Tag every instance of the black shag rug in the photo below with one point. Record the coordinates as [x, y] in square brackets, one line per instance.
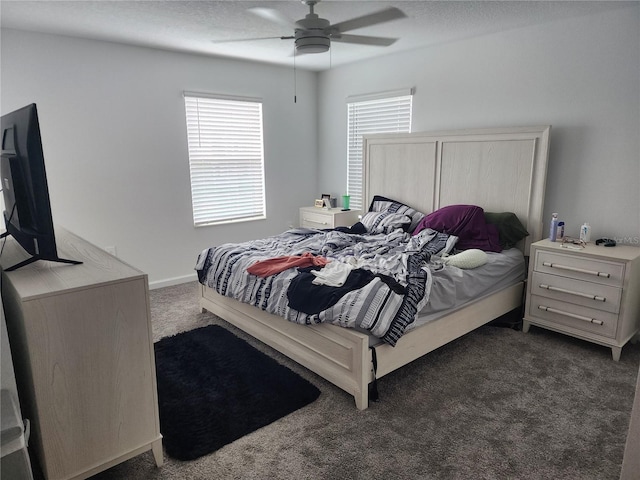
[214, 388]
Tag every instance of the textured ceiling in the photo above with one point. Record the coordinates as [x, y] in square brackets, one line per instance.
[214, 27]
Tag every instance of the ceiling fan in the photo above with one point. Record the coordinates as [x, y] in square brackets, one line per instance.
[314, 34]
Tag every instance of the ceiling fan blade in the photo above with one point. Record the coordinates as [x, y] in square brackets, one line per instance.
[364, 40]
[385, 15]
[236, 40]
[273, 16]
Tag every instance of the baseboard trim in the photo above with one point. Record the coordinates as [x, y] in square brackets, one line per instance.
[173, 281]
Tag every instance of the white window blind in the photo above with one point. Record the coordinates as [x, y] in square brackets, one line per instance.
[226, 158]
[372, 114]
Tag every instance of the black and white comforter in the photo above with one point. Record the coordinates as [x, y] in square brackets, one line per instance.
[399, 286]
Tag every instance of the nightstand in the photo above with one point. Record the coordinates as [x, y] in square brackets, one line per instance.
[314, 217]
[590, 293]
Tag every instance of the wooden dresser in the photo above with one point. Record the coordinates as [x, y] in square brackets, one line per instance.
[84, 360]
[591, 293]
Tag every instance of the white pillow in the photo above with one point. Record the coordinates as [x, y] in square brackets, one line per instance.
[384, 222]
[466, 259]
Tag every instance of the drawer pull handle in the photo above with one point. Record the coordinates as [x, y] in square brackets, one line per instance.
[315, 221]
[572, 315]
[575, 269]
[571, 292]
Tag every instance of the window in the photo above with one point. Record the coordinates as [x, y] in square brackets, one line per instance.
[226, 158]
[381, 113]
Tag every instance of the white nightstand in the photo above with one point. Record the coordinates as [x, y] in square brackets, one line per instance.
[590, 293]
[314, 217]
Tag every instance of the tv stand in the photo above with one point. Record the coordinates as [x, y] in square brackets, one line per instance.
[35, 258]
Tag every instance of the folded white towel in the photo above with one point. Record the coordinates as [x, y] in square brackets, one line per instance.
[334, 274]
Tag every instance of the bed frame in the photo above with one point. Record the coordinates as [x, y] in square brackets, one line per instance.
[499, 169]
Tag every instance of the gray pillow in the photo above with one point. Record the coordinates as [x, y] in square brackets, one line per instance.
[381, 204]
[384, 222]
[510, 229]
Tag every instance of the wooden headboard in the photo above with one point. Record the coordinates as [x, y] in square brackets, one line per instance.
[498, 169]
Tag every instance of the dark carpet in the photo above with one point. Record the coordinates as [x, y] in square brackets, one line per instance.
[496, 404]
[214, 388]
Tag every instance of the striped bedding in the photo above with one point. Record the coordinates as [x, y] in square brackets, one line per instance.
[377, 307]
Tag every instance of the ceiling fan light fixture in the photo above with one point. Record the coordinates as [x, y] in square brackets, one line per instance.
[313, 34]
[312, 44]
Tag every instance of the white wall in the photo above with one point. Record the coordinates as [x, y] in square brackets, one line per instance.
[114, 139]
[581, 75]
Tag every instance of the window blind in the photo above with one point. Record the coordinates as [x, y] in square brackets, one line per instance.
[376, 115]
[226, 158]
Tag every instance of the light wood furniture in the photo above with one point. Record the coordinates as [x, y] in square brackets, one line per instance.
[84, 360]
[498, 169]
[589, 293]
[314, 217]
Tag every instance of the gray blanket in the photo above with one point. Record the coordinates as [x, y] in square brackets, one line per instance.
[376, 307]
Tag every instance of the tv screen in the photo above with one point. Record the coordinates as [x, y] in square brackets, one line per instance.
[27, 209]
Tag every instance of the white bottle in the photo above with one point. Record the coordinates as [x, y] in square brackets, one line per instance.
[553, 230]
[585, 232]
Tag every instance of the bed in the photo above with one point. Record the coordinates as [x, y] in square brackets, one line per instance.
[499, 169]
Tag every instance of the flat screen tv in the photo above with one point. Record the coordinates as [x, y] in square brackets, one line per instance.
[27, 209]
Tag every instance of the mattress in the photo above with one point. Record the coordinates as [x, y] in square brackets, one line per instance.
[454, 288]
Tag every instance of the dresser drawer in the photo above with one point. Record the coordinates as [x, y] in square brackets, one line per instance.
[574, 316]
[589, 294]
[579, 267]
[315, 220]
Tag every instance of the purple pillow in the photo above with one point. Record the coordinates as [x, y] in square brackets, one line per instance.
[465, 222]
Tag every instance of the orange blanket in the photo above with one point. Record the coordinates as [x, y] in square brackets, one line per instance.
[264, 268]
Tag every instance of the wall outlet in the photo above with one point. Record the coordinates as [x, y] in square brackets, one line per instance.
[111, 250]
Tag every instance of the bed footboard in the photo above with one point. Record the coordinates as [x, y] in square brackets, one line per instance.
[341, 355]
[337, 354]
